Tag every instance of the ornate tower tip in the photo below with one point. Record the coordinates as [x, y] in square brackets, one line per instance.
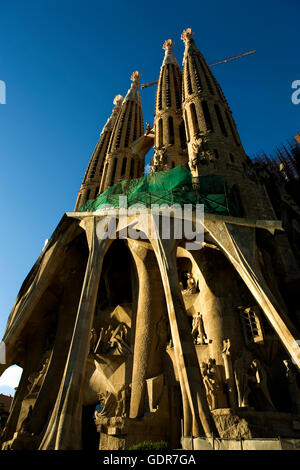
[168, 44]
[187, 35]
[135, 77]
[118, 100]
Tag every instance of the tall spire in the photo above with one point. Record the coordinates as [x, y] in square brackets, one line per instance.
[121, 163]
[170, 141]
[91, 182]
[211, 131]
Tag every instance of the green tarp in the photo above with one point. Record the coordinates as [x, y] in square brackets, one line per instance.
[169, 187]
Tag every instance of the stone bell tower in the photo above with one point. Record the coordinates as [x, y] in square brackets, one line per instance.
[144, 335]
[121, 162]
[170, 141]
[91, 182]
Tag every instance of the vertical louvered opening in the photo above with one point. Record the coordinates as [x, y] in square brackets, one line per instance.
[189, 81]
[186, 126]
[197, 75]
[128, 128]
[232, 129]
[171, 130]
[177, 83]
[182, 135]
[123, 170]
[168, 89]
[160, 132]
[207, 117]
[194, 118]
[131, 174]
[220, 120]
[113, 174]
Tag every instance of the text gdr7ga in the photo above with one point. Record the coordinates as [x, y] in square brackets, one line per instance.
[173, 459]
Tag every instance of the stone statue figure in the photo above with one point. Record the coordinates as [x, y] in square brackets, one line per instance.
[35, 380]
[93, 340]
[108, 402]
[118, 340]
[242, 378]
[198, 332]
[190, 284]
[260, 380]
[162, 332]
[123, 401]
[293, 385]
[210, 382]
[148, 128]
[113, 341]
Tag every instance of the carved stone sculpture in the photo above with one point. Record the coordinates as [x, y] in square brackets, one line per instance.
[211, 383]
[35, 380]
[191, 285]
[293, 385]
[148, 128]
[242, 378]
[198, 331]
[260, 380]
[109, 403]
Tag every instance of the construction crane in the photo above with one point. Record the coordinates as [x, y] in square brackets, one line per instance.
[223, 61]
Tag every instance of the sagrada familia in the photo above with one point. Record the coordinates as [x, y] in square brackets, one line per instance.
[125, 339]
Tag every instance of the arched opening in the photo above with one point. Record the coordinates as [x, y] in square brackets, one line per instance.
[131, 174]
[237, 200]
[171, 130]
[113, 174]
[160, 132]
[186, 126]
[194, 118]
[182, 135]
[220, 120]
[124, 163]
[207, 117]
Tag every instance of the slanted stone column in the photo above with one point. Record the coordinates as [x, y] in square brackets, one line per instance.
[187, 364]
[239, 245]
[64, 428]
[150, 306]
[74, 273]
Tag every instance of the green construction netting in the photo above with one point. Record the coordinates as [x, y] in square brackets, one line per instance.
[169, 187]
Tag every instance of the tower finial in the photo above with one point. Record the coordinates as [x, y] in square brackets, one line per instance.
[118, 100]
[169, 54]
[187, 35]
[168, 44]
[135, 77]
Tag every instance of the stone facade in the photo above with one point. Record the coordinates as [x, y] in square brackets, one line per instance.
[124, 340]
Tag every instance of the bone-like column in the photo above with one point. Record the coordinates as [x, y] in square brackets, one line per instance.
[150, 306]
[66, 320]
[50, 261]
[185, 354]
[64, 428]
[238, 244]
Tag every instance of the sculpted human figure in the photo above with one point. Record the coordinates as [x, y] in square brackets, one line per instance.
[293, 385]
[198, 332]
[210, 383]
[148, 128]
[191, 284]
[242, 378]
[109, 403]
[118, 340]
[260, 376]
[93, 340]
[36, 380]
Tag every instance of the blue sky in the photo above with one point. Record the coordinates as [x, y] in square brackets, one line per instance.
[64, 61]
